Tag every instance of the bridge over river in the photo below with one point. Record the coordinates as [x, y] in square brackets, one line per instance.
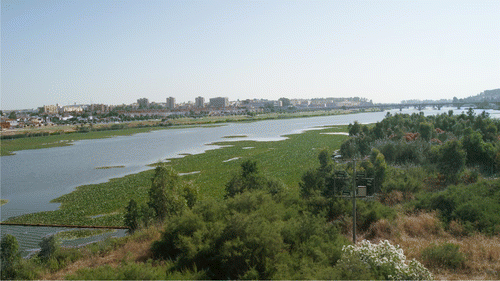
[423, 105]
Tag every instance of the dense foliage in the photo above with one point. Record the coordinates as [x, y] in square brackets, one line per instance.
[257, 232]
[442, 161]
[417, 139]
[475, 207]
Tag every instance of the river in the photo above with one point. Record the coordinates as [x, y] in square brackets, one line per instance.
[31, 178]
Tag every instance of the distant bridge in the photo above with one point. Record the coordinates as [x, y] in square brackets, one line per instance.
[421, 106]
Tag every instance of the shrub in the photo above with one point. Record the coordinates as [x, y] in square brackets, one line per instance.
[444, 255]
[379, 261]
[9, 252]
[49, 246]
[132, 216]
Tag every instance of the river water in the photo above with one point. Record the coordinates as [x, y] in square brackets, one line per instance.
[31, 178]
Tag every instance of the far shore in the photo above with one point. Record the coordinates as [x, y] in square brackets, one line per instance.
[55, 136]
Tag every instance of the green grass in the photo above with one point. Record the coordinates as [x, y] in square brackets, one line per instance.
[3, 202]
[285, 160]
[8, 146]
[109, 167]
[81, 233]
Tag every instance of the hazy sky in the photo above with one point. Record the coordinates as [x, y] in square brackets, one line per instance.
[115, 52]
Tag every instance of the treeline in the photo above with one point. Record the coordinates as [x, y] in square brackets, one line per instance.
[448, 142]
[445, 163]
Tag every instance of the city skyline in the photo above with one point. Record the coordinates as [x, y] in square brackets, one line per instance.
[115, 52]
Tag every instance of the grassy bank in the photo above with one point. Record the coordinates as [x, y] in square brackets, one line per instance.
[8, 147]
[3, 201]
[104, 204]
[46, 137]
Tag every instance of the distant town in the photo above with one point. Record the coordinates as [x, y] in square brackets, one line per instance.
[143, 109]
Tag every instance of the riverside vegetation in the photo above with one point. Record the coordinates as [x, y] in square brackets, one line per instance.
[272, 217]
[37, 138]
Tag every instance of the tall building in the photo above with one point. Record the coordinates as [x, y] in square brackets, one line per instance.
[170, 102]
[219, 102]
[199, 102]
[143, 103]
[50, 109]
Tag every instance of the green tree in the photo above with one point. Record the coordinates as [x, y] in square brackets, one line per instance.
[451, 159]
[354, 129]
[12, 115]
[165, 198]
[311, 184]
[191, 193]
[49, 246]
[380, 167]
[285, 102]
[9, 253]
[132, 216]
[147, 215]
[426, 130]
[472, 143]
[248, 179]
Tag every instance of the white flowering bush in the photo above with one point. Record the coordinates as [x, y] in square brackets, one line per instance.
[379, 261]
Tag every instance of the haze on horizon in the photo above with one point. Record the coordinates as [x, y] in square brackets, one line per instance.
[115, 52]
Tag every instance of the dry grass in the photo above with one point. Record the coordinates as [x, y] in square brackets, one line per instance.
[416, 232]
[136, 248]
[413, 233]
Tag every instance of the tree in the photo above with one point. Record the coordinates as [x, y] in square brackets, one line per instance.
[451, 159]
[49, 246]
[13, 115]
[165, 198]
[191, 194]
[354, 129]
[284, 102]
[380, 167]
[147, 215]
[472, 143]
[132, 216]
[9, 253]
[426, 129]
[311, 184]
[248, 179]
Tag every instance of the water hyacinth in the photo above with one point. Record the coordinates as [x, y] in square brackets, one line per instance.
[384, 260]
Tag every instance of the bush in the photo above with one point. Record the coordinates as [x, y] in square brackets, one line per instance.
[379, 261]
[444, 255]
[250, 235]
[9, 253]
[49, 246]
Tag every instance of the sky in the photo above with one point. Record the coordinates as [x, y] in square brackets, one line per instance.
[115, 52]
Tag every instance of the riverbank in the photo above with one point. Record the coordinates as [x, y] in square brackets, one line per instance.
[104, 203]
[46, 137]
[3, 202]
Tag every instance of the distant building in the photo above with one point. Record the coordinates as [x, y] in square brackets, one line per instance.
[143, 103]
[171, 103]
[99, 108]
[50, 109]
[219, 102]
[199, 102]
[72, 108]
